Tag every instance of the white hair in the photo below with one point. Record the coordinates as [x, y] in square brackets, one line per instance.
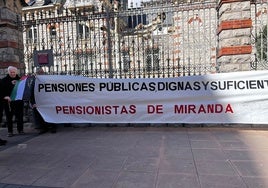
[12, 68]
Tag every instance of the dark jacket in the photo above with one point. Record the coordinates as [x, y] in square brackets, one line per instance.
[7, 85]
[1, 90]
[32, 97]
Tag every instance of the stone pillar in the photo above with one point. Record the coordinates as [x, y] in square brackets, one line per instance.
[11, 38]
[234, 30]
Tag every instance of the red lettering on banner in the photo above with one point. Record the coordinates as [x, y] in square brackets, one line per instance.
[203, 109]
[58, 109]
[124, 110]
[191, 108]
[65, 109]
[155, 109]
[96, 110]
[229, 109]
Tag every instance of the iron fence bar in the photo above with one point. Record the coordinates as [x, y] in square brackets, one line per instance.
[157, 54]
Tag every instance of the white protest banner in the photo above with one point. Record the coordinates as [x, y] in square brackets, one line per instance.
[239, 97]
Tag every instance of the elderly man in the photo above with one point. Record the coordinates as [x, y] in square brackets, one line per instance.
[12, 107]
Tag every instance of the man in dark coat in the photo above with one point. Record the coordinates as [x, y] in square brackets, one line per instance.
[1, 101]
[2, 142]
[38, 119]
[12, 107]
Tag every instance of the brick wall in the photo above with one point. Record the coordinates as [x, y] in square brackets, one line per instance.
[234, 30]
[11, 43]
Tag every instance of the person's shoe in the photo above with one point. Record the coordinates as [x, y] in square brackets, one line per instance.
[10, 134]
[53, 129]
[21, 132]
[2, 142]
[42, 131]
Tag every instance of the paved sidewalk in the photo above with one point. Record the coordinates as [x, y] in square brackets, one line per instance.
[136, 157]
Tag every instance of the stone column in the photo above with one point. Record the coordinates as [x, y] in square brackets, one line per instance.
[11, 38]
[234, 30]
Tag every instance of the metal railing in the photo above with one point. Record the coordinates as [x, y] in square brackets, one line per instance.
[158, 39]
[259, 16]
[155, 40]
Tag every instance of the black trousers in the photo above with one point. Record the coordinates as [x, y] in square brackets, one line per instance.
[1, 110]
[14, 108]
[41, 124]
[38, 120]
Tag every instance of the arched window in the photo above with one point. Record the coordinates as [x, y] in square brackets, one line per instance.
[261, 45]
[152, 59]
[31, 35]
[83, 31]
[53, 31]
[126, 60]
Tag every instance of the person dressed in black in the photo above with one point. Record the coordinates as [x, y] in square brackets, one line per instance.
[12, 107]
[1, 101]
[38, 119]
[2, 142]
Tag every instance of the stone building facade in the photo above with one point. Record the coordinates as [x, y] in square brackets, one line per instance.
[11, 40]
